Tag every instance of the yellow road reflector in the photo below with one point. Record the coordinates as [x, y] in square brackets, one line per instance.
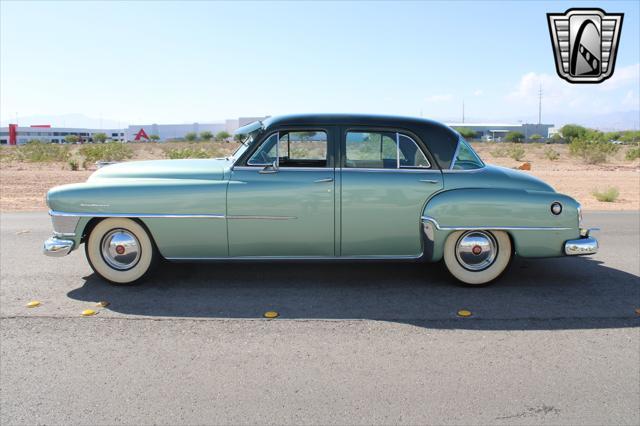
[464, 313]
[33, 304]
[271, 314]
[103, 303]
[88, 312]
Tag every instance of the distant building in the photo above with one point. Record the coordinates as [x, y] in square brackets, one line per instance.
[143, 132]
[497, 131]
[14, 134]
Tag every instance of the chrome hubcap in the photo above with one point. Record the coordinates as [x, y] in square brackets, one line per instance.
[476, 250]
[120, 249]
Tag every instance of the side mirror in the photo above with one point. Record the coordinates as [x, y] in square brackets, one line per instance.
[272, 168]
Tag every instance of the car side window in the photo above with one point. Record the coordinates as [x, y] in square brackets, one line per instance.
[383, 150]
[293, 149]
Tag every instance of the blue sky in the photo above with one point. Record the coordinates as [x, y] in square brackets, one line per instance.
[174, 62]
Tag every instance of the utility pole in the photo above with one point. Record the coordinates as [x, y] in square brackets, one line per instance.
[462, 110]
[540, 105]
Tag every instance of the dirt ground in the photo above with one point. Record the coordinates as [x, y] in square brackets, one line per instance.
[23, 185]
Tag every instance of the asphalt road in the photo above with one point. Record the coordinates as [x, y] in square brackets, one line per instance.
[556, 341]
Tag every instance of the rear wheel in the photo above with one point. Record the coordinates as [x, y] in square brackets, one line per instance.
[477, 257]
[120, 250]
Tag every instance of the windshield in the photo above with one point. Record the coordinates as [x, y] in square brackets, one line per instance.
[466, 158]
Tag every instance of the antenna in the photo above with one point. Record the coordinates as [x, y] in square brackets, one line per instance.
[540, 104]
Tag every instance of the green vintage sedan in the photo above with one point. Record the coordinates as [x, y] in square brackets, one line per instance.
[335, 187]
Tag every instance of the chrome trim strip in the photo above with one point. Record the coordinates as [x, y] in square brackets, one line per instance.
[241, 216]
[232, 258]
[141, 215]
[495, 228]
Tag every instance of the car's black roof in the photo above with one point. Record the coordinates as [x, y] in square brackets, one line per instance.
[440, 139]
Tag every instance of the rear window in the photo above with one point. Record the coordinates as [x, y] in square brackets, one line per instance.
[466, 158]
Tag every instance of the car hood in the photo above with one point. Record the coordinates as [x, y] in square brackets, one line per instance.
[205, 169]
[492, 176]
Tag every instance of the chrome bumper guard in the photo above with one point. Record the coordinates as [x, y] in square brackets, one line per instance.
[582, 246]
[57, 247]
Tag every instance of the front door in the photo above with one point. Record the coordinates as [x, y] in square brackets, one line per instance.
[280, 203]
[386, 179]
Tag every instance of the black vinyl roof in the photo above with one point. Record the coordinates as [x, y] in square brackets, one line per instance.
[440, 139]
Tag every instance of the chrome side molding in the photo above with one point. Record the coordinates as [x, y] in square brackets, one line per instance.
[495, 228]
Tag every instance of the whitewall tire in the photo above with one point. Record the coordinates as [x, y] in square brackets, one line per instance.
[120, 250]
[477, 257]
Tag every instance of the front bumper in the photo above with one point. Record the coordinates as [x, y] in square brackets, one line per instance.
[584, 245]
[57, 247]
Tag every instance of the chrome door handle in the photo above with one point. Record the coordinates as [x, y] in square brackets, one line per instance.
[429, 181]
[323, 180]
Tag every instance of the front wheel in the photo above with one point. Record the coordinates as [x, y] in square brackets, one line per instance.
[477, 257]
[120, 250]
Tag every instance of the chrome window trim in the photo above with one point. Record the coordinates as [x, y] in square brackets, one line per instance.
[403, 170]
[429, 167]
[305, 169]
[398, 166]
[495, 228]
[455, 155]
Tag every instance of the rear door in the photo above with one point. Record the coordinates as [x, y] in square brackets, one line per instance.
[386, 179]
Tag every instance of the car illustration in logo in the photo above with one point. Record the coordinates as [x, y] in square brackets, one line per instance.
[585, 43]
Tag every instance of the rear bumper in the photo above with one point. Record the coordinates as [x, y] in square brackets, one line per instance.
[584, 245]
[57, 247]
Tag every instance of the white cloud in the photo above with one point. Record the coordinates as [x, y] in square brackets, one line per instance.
[618, 93]
[439, 98]
[478, 92]
[623, 77]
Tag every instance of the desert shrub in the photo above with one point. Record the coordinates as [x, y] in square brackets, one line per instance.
[551, 154]
[633, 153]
[206, 135]
[609, 195]
[187, 152]
[500, 151]
[514, 137]
[630, 136]
[99, 137]
[110, 151]
[572, 131]
[592, 148]
[535, 137]
[222, 135]
[516, 152]
[154, 138]
[73, 165]
[71, 138]
[191, 136]
[40, 152]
